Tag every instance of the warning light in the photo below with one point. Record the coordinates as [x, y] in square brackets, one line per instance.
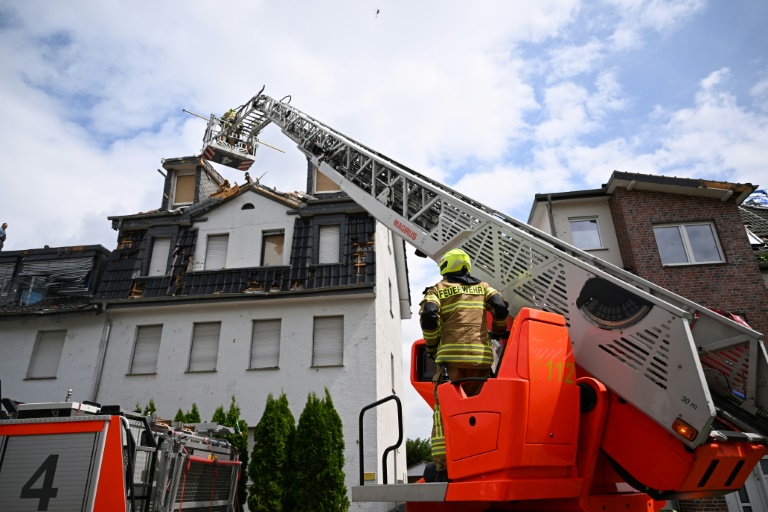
[684, 430]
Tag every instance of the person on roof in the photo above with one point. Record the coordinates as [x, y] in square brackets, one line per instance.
[2, 234]
[452, 317]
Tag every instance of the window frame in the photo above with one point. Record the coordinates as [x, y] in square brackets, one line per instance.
[315, 364]
[36, 350]
[314, 183]
[587, 218]
[687, 244]
[192, 347]
[276, 366]
[132, 361]
[176, 177]
[264, 235]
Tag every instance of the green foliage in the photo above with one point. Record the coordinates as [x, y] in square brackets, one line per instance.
[239, 442]
[191, 416]
[417, 450]
[150, 409]
[318, 459]
[763, 256]
[271, 457]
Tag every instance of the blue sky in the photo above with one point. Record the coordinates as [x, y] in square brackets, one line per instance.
[499, 99]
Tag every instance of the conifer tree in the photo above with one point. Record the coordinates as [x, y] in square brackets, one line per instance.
[318, 459]
[150, 409]
[239, 442]
[270, 461]
[193, 416]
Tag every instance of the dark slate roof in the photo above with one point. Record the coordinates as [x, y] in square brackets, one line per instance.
[756, 219]
[50, 305]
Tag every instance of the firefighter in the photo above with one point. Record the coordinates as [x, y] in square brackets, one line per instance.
[452, 317]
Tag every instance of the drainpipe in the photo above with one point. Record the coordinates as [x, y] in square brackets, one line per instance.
[551, 216]
[102, 351]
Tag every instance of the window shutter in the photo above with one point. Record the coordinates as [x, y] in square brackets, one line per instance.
[329, 244]
[158, 264]
[216, 252]
[47, 354]
[185, 188]
[265, 344]
[328, 341]
[146, 349]
[205, 347]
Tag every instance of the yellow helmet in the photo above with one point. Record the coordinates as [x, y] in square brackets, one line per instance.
[453, 261]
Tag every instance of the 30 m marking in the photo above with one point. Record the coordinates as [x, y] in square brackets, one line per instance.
[687, 401]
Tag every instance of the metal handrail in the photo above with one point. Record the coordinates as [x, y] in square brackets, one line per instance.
[390, 448]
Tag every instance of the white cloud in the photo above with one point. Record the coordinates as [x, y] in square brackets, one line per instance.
[500, 99]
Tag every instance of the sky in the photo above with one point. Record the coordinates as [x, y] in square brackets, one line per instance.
[498, 99]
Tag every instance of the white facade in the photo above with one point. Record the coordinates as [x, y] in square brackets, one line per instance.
[77, 365]
[98, 352]
[564, 211]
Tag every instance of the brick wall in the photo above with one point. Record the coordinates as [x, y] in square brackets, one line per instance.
[735, 286]
[704, 505]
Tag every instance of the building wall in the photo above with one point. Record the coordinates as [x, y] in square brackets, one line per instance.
[352, 386]
[78, 362]
[597, 207]
[734, 286]
[244, 228]
[389, 364]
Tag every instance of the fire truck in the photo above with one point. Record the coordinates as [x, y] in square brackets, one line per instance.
[85, 457]
[598, 399]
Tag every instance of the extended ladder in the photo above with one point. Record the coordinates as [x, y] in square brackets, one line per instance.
[639, 339]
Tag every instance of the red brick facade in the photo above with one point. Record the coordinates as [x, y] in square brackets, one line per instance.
[735, 286]
[705, 505]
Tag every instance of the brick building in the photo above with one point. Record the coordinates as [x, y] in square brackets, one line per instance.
[688, 236]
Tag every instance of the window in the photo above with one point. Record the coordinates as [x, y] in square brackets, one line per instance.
[205, 347]
[328, 341]
[272, 248]
[145, 349]
[216, 252]
[158, 263]
[681, 244]
[329, 244]
[324, 184]
[585, 233]
[6, 277]
[391, 311]
[185, 189]
[46, 355]
[265, 344]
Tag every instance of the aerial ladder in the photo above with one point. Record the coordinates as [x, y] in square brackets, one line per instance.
[604, 378]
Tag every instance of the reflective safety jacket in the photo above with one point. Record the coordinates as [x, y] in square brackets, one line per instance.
[452, 319]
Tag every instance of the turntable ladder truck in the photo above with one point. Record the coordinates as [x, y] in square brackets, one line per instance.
[601, 381]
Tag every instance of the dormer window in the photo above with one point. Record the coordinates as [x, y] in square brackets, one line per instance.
[184, 189]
